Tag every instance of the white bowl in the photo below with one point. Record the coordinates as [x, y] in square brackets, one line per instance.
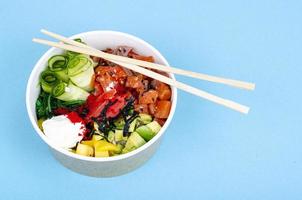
[99, 167]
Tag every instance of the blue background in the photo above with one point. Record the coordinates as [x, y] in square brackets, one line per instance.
[208, 152]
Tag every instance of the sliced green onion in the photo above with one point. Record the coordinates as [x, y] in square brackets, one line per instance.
[49, 80]
[69, 92]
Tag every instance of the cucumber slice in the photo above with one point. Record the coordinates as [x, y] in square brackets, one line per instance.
[84, 150]
[145, 132]
[69, 92]
[83, 79]
[145, 118]
[118, 136]
[154, 126]
[132, 125]
[111, 136]
[134, 141]
[119, 123]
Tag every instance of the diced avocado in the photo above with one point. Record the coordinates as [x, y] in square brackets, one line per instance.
[101, 153]
[88, 142]
[154, 126]
[118, 136]
[132, 125]
[134, 141]
[145, 118]
[97, 137]
[145, 132]
[110, 136]
[103, 145]
[119, 123]
[84, 150]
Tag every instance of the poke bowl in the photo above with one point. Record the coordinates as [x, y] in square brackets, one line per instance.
[100, 119]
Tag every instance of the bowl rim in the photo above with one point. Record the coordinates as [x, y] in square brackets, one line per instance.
[46, 55]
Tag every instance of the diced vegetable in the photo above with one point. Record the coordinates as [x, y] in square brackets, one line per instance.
[154, 126]
[145, 132]
[132, 125]
[145, 118]
[148, 131]
[134, 141]
[119, 123]
[111, 136]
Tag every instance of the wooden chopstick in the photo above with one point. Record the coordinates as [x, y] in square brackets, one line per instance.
[94, 52]
[230, 82]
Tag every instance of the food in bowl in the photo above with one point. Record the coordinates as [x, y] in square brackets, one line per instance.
[96, 108]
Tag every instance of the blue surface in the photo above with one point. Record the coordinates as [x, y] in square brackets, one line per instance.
[208, 152]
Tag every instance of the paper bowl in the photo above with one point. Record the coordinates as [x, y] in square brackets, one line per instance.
[90, 166]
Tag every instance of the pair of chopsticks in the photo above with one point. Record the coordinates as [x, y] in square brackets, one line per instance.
[138, 66]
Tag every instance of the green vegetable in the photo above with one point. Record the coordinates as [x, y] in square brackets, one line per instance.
[48, 81]
[118, 136]
[58, 64]
[145, 118]
[145, 132]
[80, 71]
[119, 123]
[132, 125]
[154, 126]
[134, 141]
[84, 79]
[69, 92]
[148, 131]
[111, 136]
[78, 64]
[46, 103]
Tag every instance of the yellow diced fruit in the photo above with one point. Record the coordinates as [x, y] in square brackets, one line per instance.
[102, 145]
[88, 142]
[101, 154]
[84, 150]
[97, 137]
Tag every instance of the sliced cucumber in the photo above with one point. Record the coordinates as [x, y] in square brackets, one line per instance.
[154, 126]
[69, 92]
[119, 123]
[118, 136]
[111, 136]
[145, 132]
[132, 125]
[83, 79]
[134, 141]
[145, 118]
